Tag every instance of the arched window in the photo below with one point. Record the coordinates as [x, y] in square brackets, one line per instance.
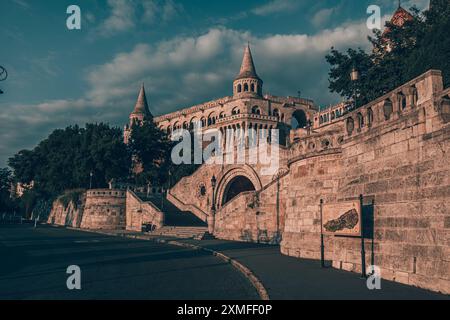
[252, 87]
[299, 119]
[415, 96]
[387, 109]
[402, 101]
[239, 88]
[369, 117]
[360, 120]
[235, 111]
[350, 126]
[246, 87]
[255, 110]
[222, 115]
[203, 121]
[276, 113]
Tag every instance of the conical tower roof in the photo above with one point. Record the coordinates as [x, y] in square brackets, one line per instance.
[248, 69]
[141, 106]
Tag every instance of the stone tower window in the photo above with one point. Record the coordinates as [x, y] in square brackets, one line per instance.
[239, 88]
[350, 126]
[360, 120]
[402, 100]
[252, 87]
[369, 117]
[246, 87]
[387, 109]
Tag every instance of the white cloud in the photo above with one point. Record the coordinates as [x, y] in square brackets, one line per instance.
[322, 16]
[276, 6]
[181, 72]
[122, 17]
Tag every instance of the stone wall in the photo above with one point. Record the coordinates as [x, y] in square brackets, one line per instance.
[399, 160]
[67, 214]
[104, 209]
[139, 213]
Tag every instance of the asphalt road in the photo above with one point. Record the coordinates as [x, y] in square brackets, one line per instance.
[33, 264]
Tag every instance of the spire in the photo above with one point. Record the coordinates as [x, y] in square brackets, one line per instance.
[141, 106]
[248, 67]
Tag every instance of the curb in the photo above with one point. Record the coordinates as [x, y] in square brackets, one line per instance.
[257, 284]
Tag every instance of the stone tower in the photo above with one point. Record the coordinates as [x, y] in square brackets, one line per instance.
[140, 114]
[247, 83]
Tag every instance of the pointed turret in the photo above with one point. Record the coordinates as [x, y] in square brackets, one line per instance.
[140, 114]
[247, 83]
[141, 106]
[248, 69]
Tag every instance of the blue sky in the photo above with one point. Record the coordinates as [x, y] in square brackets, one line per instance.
[186, 52]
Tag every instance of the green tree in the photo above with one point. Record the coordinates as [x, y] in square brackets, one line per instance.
[6, 203]
[67, 157]
[414, 48]
[150, 149]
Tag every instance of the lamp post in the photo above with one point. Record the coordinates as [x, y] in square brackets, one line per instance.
[91, 174]
[212, 216]
[354, 77]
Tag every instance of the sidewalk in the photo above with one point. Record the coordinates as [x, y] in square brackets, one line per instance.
[288, 278]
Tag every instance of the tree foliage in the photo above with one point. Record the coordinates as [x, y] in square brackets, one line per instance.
[6, 203]
[416, 47]
[67, 157]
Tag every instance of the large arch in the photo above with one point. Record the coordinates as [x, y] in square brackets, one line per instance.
[235, 187]
[240, 178]
[299, 119]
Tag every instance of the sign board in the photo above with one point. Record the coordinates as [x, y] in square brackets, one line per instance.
[343, 219]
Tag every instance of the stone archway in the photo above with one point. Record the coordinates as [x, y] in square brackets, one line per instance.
[235, 187]
[234, 182]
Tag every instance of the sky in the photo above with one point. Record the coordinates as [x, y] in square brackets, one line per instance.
[186, 53]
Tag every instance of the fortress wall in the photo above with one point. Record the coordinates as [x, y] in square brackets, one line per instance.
[401, 164]
[69, 215]
[104, 209]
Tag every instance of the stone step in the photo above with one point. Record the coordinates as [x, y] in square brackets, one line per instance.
[182, 232]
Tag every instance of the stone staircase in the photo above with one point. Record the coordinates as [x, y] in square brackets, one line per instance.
[197, 233]
[177, 223]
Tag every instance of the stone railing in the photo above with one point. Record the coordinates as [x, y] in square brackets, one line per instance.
[187, 207]
[139, 212]
[316, 144]
[246, 116]
[394, 105]
[193, 109]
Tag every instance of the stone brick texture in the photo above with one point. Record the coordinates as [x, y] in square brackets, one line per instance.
[104, 209]
[396, 157]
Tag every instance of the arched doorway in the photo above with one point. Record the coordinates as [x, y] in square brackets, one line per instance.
[299, 120]
[235, 187]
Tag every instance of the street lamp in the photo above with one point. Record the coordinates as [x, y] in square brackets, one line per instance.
[354, 77]
[213, 185]
[211, 219]
[91, 174]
